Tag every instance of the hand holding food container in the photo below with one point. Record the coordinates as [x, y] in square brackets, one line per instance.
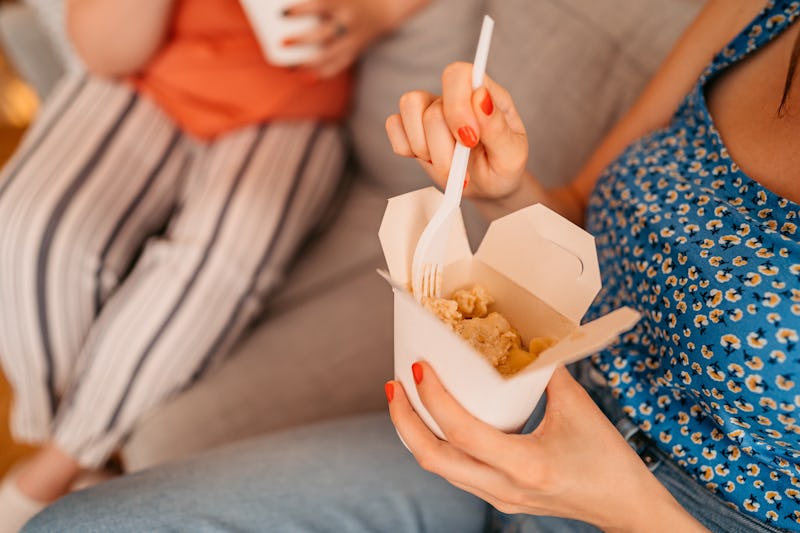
[542, 273]
[274, 31]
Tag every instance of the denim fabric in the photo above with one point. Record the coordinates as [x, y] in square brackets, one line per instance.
[342, 476]
[345, 476]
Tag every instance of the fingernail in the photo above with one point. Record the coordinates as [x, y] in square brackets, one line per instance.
[468, 136]
[416, 369]
[389, 388]
[466, 181]
[487, 106]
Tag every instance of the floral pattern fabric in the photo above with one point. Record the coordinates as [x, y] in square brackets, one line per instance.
[712, 260]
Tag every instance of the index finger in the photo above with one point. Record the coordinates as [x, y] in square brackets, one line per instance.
[464, 431]
[441, 457]
[457, 100]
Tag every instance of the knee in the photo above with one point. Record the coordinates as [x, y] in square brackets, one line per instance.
[73, 513]
[30, 228]
[104, 508]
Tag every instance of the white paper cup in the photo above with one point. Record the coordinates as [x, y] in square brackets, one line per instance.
[272, 28]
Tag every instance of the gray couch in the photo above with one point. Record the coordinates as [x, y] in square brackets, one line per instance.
[324, 346]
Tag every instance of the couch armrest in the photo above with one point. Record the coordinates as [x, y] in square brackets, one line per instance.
[29, 48]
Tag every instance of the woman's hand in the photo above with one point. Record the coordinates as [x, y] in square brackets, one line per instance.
[347, 27]
[575, 465]
[485, 120]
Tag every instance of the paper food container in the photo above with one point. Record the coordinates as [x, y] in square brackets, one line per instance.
[543, 273]
[272, 27]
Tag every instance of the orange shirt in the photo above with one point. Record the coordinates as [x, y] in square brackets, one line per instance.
[211, 75]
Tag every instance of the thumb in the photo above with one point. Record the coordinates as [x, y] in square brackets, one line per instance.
[501, 130]
[565, 394]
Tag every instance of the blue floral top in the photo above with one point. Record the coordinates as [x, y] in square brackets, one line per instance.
[712, 260]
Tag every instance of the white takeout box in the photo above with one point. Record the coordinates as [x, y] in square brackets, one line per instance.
[543, 273]
[272, 27]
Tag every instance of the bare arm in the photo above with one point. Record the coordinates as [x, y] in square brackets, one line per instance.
[117, 37]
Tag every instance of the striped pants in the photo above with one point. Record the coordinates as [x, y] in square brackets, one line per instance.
[132, 256]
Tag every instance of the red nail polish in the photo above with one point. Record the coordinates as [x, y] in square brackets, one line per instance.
[468, 136]
[416, 369]
[389, 389]
[487, 106]
[466, 181]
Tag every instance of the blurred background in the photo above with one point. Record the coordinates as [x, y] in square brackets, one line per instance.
[18, 104]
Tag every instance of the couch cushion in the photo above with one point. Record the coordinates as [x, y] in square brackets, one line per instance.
[574, 66]
[411, 58]
[51, 13]
[29, 47]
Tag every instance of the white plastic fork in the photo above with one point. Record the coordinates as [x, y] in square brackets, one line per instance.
[427, 266]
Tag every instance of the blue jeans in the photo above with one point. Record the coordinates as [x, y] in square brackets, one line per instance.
[341, 476]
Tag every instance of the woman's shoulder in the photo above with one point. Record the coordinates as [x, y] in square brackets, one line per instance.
[720, 21]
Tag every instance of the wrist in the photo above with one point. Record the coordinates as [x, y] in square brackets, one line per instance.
[523, 195]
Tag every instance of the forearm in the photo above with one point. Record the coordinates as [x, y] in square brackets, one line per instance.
[118, 37]
[656, 511]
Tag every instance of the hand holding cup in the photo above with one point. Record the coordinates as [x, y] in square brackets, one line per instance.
[344, 29]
